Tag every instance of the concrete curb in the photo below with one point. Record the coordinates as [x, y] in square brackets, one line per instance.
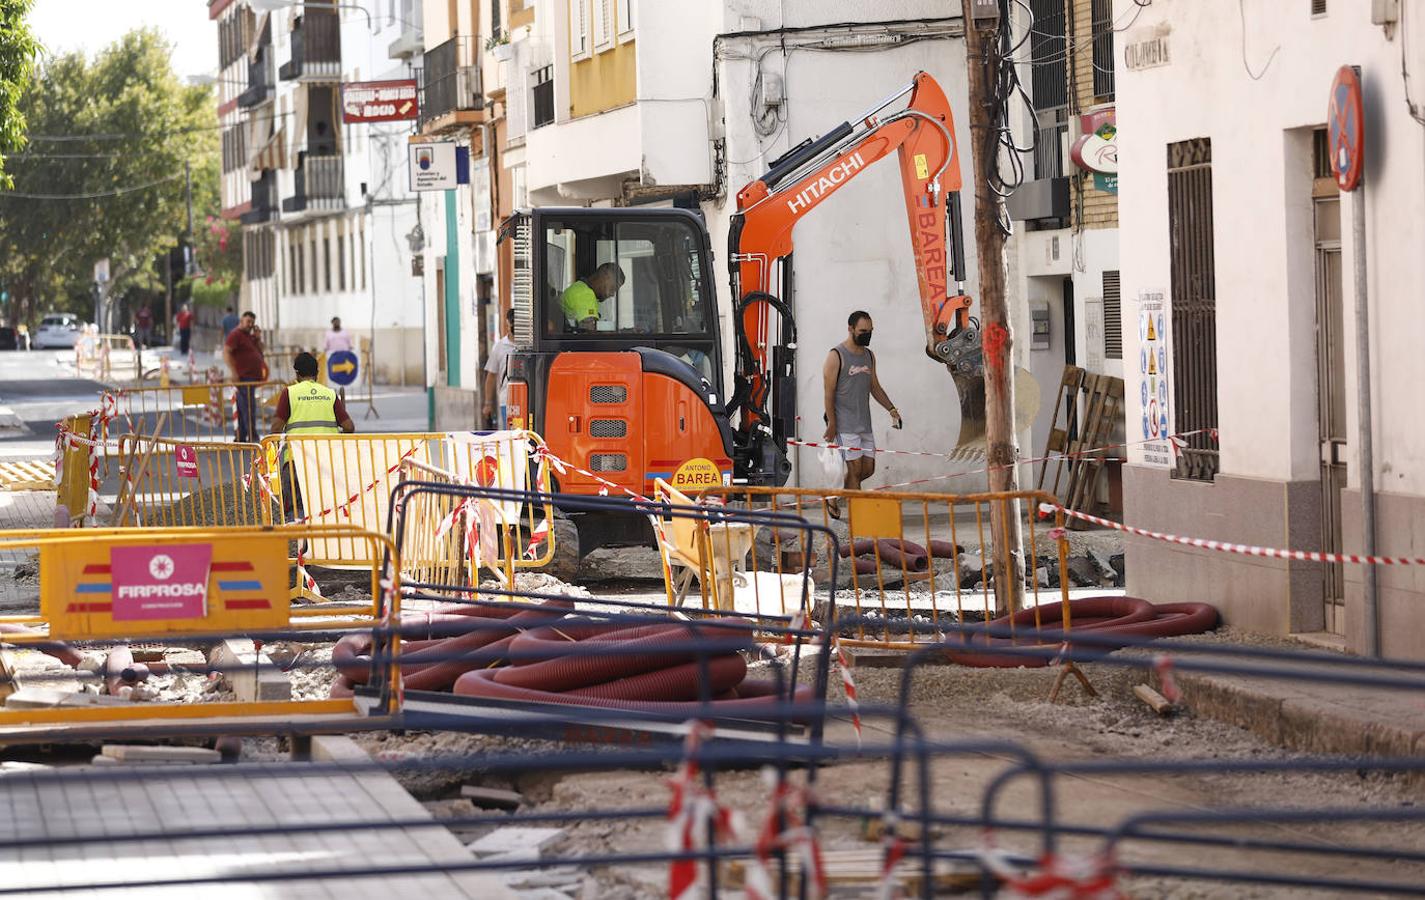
[1312, 718]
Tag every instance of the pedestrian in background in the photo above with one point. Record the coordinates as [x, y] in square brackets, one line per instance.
[336, 341]
[849, 382]
[230, 321]
[243, 352]
[184, 321]
[143, 326]
[497, 379]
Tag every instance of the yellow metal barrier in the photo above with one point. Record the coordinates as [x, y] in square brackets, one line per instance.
[447, 539]
[170, 483]
[98, 356]
[194, 412]
[184, 586]
[348, 478]
[915, 561]
[74, 468]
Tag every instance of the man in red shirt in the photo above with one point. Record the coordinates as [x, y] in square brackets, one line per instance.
[242, 351]
[184, 321]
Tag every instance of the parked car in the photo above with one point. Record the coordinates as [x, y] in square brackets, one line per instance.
[9, 338]
[58, 331]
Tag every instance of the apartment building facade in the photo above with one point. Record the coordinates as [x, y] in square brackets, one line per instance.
[1237, 243]
[325, 206]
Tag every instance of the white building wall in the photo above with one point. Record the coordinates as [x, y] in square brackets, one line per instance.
[854, 252]
[1260, 125]
[1265, 310]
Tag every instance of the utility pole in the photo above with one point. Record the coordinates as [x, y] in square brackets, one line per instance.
[983, 21]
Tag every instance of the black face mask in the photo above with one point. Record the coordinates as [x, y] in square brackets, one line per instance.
[862, 340]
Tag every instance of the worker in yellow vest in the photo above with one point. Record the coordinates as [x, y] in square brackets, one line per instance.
[306, 407]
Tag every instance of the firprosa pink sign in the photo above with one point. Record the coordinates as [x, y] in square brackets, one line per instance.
[168, 582]
[185, 457]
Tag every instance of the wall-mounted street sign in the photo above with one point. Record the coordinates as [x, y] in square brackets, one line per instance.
[379, 101]
[439, 166]
[1346, 130]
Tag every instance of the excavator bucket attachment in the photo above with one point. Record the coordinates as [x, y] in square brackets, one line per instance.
[971, 388]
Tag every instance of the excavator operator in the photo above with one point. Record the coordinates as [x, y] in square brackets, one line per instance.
[581, 299]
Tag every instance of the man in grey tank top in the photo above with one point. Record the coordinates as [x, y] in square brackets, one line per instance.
[849, 380]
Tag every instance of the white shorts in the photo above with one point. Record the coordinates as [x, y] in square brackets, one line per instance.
[864, 444]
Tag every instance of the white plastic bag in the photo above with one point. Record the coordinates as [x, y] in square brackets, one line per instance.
[833, 467]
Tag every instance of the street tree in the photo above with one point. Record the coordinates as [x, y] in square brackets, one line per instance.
[18, 50]
[104, 174]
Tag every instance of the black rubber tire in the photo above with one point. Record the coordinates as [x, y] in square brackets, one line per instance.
[565, 564]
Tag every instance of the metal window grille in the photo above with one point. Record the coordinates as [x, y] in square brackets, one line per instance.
[608, 428]
[608, 393]
[608, 462]
[1050, 142]
[1194, 299]
[1112, 317]
[1103, 49]
[1318, 7]
[1048, 52]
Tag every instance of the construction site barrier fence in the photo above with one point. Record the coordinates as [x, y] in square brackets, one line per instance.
[348, 479]
[914, 562]
[108, 594]
[170, 483]
[194, 412]
[102, 356]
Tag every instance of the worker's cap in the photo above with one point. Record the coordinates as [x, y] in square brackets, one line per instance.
[305, 365]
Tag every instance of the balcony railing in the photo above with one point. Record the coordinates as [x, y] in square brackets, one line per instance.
[264, 197]
[320, 183]
[452, 79]
[316, 47]
[260, 83]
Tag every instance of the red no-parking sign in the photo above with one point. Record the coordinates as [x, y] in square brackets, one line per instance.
[1345, 128]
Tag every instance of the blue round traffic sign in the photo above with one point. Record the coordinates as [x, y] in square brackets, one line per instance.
[342, 368]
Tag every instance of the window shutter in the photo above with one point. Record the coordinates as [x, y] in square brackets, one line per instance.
[627, 15]
[603, 23]
[1112, 317]
[578, 27]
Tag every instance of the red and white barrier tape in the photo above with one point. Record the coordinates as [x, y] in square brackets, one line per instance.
[345, 507]
[1240, 549]
[892, 852]
[784, 812]
[691, 809]
[543, 454]
[843, 662]
[1055, 877]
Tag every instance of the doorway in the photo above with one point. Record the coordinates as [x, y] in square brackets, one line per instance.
[1330, 376]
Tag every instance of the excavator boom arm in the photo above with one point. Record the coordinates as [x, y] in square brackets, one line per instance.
[922, 134]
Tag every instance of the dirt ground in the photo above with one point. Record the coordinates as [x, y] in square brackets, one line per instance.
[955, 704]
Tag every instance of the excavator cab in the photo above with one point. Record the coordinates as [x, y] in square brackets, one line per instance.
[618, 363]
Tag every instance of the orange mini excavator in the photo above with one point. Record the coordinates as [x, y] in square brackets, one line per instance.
[619, 359]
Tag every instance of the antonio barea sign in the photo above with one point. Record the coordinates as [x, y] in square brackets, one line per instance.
[379, 101]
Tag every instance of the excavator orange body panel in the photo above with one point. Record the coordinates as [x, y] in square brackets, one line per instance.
[603, 413]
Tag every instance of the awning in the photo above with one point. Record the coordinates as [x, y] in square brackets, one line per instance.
[263, 21]
[272, 155]
[298, 123]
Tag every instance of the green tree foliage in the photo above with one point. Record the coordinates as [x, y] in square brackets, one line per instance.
[103, 175]
[18, 50]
